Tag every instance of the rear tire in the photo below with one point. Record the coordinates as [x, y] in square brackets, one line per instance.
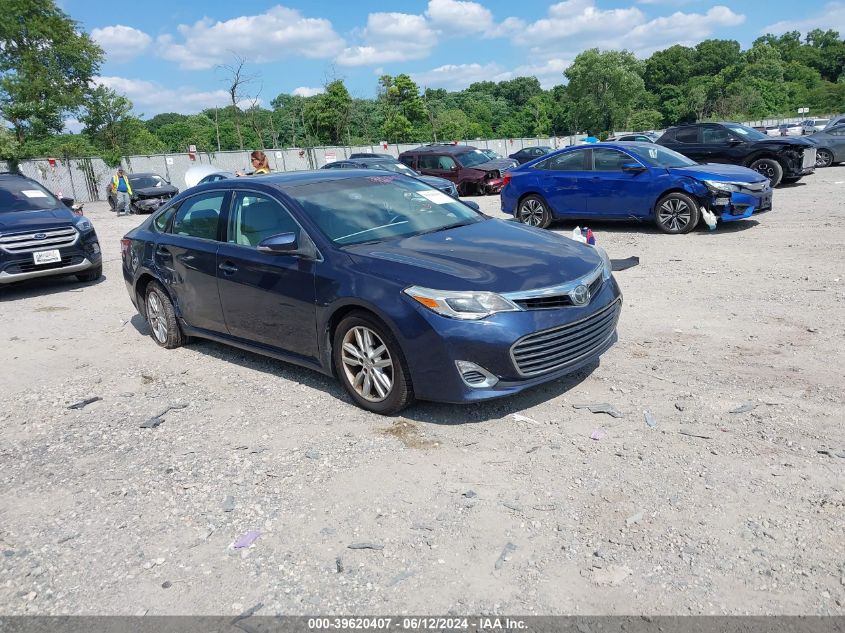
[824, 158]
[92, 274]
[161, 317]
[370, 365]
[533, 211]
[676, 213]
[770, 168]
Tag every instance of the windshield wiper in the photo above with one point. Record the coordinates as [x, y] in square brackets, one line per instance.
[448, 226]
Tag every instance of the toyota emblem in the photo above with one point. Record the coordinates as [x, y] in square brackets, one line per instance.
[580, 296]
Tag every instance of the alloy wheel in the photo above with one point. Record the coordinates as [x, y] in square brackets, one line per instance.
[367, 364]
[156, 317]
[823, 158]
[674, 214]
[767, 169]
[531, 212]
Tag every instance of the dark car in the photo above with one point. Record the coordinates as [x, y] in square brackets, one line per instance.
[632, 181]
[41, 237]
[371, 155]
[400, 291]
[149, 192]
[218, 175]
[831, 145]
[530, 153]
[780, 159]
[469, 168]
[839, 119]
[446, 186]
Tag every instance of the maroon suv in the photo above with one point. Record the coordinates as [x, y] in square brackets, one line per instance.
[471, 170]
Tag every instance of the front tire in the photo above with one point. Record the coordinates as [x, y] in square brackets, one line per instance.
[533, 211]
[92, 274]
[824, 158]
[371, 366]
[770, 168]
[676, 213]
[161, 317]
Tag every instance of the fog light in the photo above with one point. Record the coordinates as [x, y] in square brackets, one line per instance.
[474, 375]
[95, 248]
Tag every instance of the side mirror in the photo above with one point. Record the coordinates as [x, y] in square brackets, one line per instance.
[472, 205]
[282, 244]
[68, 202]
[734, 141]
[633, 168]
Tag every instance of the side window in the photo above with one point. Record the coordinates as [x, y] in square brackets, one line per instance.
[163, 219]
[569, 161]
[427, 161]
[199, 216]
[255, 217]
[837, 131]
[715, 135]
[408, 160]
[687, 135]
[609, 159]
[445, 163]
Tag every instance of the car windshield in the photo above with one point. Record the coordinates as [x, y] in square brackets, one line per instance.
[399, 168]
[473, 159]
[25, 195]
[142, 182]
[746, 132]
[658, 156]
[491, 154]
[377, 208]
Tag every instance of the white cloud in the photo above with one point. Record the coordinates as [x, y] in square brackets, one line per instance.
[672, 2]
[391, 37]
[459, 76]
[150, 97]
[73, 126]
[305, 91]
[832, 16]
[549, 73]
[459, 16]
[574, 25]
[121, 43]
[277, 33]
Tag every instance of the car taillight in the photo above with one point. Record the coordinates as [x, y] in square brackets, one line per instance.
[124, 247]
[507, 179]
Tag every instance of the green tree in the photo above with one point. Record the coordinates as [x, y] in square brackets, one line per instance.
[452, 125]
[46, 65]
[105, 110]
[672, 66]
[712, 56]
[603, 87]
[331, 113]
[645, 120]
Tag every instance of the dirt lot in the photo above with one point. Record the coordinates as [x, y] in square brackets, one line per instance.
[504, 507]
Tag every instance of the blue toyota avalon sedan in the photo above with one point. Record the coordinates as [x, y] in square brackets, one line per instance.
[398, 289]
[632, 181]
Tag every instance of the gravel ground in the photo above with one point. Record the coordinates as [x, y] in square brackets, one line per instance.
[503, 507]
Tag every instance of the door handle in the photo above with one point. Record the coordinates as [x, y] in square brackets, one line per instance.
[228, 268]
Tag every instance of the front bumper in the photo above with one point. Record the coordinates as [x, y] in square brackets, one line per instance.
[490, 343]
[77, 258]
[740, 205]
[148, 205]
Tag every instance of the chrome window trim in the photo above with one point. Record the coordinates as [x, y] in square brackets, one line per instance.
[552, 291]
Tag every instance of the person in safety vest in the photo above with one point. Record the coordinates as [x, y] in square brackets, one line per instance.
[260, 164]
[122, 191]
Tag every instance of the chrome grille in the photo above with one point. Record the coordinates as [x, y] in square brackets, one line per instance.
[555, 301]
[809, 159]
[756, 186]
[555, 348]
[28, 242]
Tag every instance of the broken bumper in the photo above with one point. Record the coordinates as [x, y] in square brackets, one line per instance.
[740, 205]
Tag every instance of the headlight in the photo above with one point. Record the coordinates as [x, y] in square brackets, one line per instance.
[84, 225]
[461, 305]
[607, 267]
[716, 185]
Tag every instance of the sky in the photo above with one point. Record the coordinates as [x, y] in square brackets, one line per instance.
[166, 56]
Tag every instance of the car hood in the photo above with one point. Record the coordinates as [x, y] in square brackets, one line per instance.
[35, 220]
[156, 192]
[500, 164]
[785, 140]
[434, 181]
[493, 255]
[719, 171]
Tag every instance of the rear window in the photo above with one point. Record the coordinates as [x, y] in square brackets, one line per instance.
[687, 135]
[19, 194]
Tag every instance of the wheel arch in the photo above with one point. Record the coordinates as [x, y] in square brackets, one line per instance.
[143, 281]
[675, 189]
[336, 315]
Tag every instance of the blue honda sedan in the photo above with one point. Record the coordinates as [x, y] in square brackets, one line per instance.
[398, 289]
[631, 180]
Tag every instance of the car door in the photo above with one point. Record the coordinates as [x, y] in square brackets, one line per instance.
[563, 180]
[267, 298]
[440, 165]
[186, 258]
[720, 145]
[834, 139]
[615, 193]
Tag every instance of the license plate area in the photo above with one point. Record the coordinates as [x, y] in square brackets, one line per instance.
[46, 257]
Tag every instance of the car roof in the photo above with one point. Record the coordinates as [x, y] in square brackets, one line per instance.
[283, 180]
[145, 173]
[438, 148]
